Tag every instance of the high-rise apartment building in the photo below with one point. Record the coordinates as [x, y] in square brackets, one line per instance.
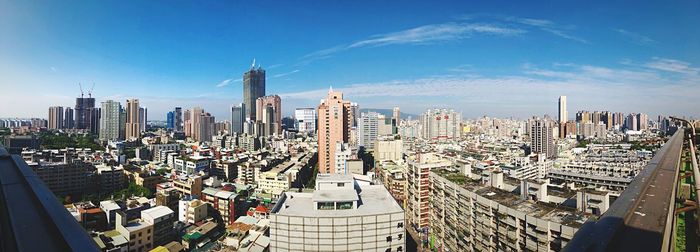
[438, 124]
[253, 88]
[541, 137]
[84, 112]
[237, 118]
[133, 126]
[334, 123]
[632, 122]
[563, 114]
[68, 121]
[368, 129]
[110, 120]
[642, 121]
[417, 204]
[55, 117]
[178, 119]
[305, 120]
[272, 120]
[618, 119]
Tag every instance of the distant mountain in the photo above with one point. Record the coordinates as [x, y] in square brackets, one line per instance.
[388, 113]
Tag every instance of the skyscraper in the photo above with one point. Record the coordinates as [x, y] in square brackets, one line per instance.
[195, 117]
[83, 112]
[55, 117]
[563, 114]
[110, 120]
[143, 118]
[395, 120]
[170, 120]
[541, 137]
[305, 120]
[68, 122]
[178, 119]
[274, 101]
[133, 126]
[95, 116]
[253, 88]
[632, 122]
[334, 123]
[237, 118]
[368, 129]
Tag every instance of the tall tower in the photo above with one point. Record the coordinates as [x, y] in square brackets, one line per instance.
[563, 115]
[253, 88]
[178, 119]
[83, 112]
[133, 119]
[334, 123]
[541, 137]
[274, 101]
[110, 120]
[55, 117]
[237, 119]
[68, 122]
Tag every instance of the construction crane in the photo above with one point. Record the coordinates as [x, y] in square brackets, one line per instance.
[81, 89]
[90, 91]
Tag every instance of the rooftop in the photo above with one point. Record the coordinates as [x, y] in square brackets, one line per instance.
[545, 211]
[373, 200]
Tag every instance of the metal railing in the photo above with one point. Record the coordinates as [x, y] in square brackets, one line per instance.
[31, 217]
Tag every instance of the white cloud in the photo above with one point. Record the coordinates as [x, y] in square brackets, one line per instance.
[636, 37]
[534, 91]
[285, 74]
[426, 34]
[227, 82]
[672, 65]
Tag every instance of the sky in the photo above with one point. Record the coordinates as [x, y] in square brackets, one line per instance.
[495, 58]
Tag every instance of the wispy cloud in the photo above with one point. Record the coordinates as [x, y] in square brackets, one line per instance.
[636, 37]
[548, 26]
[227, 82]
[274, 66]
[672, 65]
[285, 74]
[530, 91]
[54, 69]
[421, 35]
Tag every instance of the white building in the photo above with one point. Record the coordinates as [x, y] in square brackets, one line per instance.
[305, 119]
[368, 129]
[388, 149]
[110, 121]
[342, 154]
[333, 218]
[162, 219]
[440, 124]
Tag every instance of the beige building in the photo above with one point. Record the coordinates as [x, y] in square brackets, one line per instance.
[269, 112]
[417, 207]
[133, 122]
[334, 123]
[55, 118]
[190, 185]
[139, 233]
[388, 149]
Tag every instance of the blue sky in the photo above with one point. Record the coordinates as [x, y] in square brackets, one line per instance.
[494, 58]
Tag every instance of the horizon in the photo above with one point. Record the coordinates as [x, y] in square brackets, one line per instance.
[480, 59]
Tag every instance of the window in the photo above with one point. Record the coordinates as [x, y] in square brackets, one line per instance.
[326, 205]
[388, 250]
[344, 205]
[400, 225]
[341, 184]
[388, 238]
[400, 248]
[400, 236]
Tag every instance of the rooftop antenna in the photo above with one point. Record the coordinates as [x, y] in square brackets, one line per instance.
[81, 89]
[90, 91]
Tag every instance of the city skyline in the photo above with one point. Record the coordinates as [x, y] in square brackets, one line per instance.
[476, 59]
